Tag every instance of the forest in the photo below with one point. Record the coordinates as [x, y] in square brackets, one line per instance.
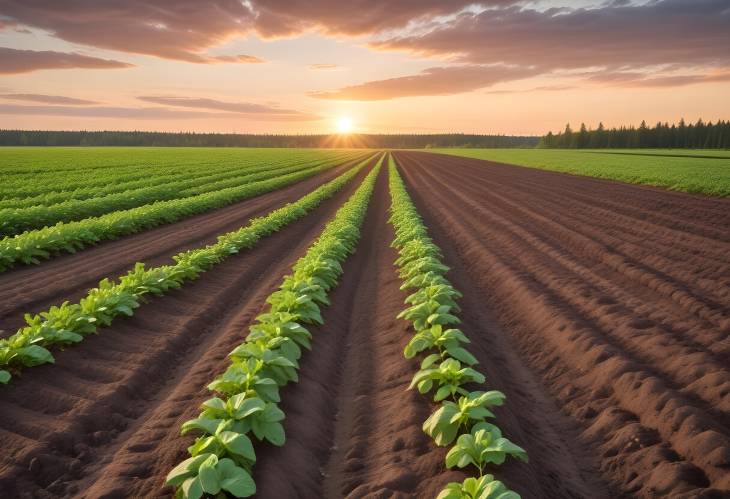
[699, 135]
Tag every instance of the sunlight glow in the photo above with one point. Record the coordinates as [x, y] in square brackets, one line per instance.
[344, 125]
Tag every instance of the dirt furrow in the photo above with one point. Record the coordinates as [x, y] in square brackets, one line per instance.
[647, 244]
[577, 243]
[353, 428]
[350, 383]
[68, 277]
[640, 203]
[632, 415]
[104, 421]
[609, 309]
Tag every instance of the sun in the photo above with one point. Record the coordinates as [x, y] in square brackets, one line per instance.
[344, 124]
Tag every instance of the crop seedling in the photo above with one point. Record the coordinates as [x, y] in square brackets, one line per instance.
[447, 377]
[483, 487]
[447, 366]
[265, 361]
[483, 445]
[70, 323]
[446, 421]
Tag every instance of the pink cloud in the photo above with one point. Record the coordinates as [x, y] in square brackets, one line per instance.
[686, 32]
[14, 61]
[265, 111]
[432, 81]
[48, 99]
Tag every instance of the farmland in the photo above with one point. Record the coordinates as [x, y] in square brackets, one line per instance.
[363, 323]
[696, 171]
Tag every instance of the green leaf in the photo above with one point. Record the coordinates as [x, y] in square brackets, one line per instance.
[462, 355]
[274, 433]
[208, 475]
[244, 407]
[34, 355]
[207, 425]
[238, 444]
[235, 480]
[184, 470]
[192, 488]
[4, 376]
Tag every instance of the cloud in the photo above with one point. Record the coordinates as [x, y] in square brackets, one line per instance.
[324, 67]
[265, 111]
[103, 112]
[543, 88]
[275, 18]
[247, 59]
[148, 113]
[14, 61]
[186, 29]
[686, 32]
[433, 81]
[638, 79]
[180, 30]
[48, 99]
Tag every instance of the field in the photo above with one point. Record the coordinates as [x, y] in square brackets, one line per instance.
[697, 171]
[364, 324]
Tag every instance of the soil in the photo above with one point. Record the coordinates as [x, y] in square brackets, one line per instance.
[615, 297]
[601, 310]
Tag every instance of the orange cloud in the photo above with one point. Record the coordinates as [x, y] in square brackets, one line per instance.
[433, 81]
[185, 29]
[16, 61]
[137, 113]
[324, 67]
[264, 111]
[48, 99]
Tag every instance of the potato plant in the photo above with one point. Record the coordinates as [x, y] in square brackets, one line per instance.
[268, 360]
[484, 487]
[68, 237]
[18, 220]
[447, 366]
[69, 323]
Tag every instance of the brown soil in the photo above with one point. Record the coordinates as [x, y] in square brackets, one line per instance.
[104, 420]
[69, 277]
[600, 309]
[615, 297]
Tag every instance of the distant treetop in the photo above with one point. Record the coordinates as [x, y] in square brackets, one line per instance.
[689, 136]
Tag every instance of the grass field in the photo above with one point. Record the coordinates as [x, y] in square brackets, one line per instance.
[696, 171]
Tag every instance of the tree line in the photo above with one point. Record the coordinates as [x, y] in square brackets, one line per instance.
[163, 139]
[699, 135]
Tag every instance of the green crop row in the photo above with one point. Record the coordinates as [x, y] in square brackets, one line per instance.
[246, 409]
[446, 367]
[149, 177]
[124, 165]
[16, 221]
[30, 247]
[70, 323]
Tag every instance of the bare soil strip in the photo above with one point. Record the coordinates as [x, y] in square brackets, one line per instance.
[68, 277]
[616, 296]
[104, 420]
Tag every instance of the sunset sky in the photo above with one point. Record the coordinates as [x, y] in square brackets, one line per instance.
[298, 66]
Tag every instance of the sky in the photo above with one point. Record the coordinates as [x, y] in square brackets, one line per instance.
[380, 66]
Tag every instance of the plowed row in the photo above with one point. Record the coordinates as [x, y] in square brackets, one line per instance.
[601, 310]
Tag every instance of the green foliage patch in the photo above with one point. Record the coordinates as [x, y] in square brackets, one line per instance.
[672, 169]
[447, 368]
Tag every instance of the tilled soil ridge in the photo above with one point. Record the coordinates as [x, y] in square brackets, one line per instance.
[617, 295]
